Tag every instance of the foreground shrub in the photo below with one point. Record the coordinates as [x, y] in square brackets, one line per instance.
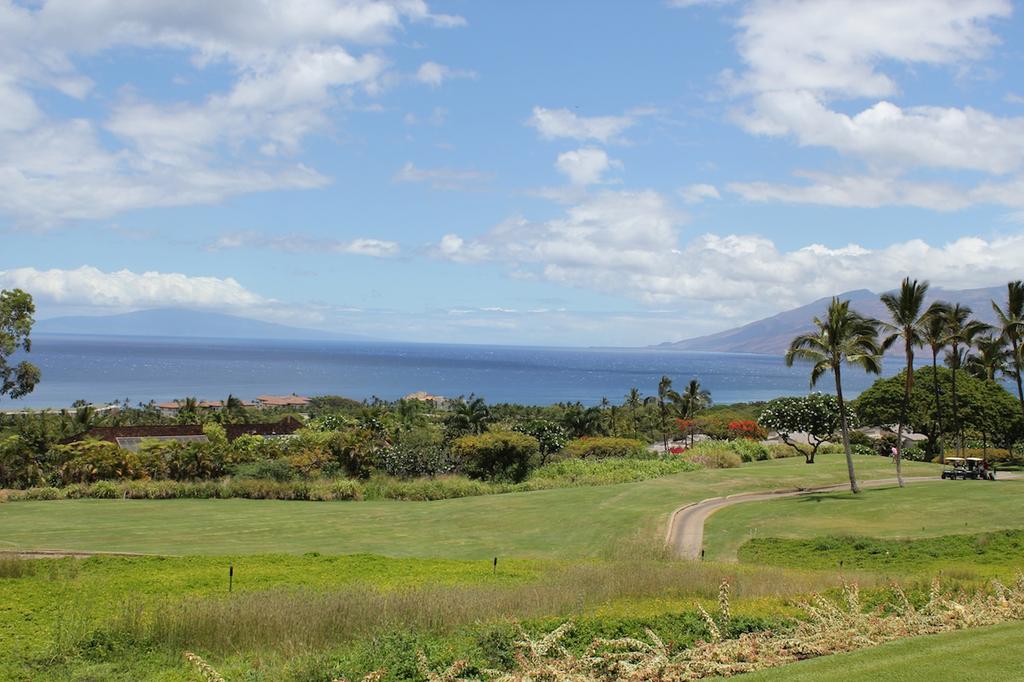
[715, 454]
[412, 460]
[714, 459]
[605, 446]
[496, 455]
[750, 450]
[272, 469]
[424, 489]
[571, 472]
[94, 460]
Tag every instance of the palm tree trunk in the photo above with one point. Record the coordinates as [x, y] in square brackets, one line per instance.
[664, 426]
[956, 414]
[938, 404]
[846, 430]
[1016, 366]
[903, 415]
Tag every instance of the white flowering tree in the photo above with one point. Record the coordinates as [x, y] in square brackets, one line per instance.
[815, 415]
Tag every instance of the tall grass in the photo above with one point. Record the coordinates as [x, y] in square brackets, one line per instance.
[16, 567]
[292, 621]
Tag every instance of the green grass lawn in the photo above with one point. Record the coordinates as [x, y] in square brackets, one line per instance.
[919, 510]
[989, 654]
[999, 552]
[562, 523]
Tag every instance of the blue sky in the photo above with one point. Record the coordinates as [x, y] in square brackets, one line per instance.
[569, 173]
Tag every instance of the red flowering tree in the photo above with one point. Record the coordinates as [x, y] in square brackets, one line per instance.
[687, 428]
[746, 428]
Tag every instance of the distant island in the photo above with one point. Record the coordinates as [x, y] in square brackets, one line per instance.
[179, 322]
[771, 336]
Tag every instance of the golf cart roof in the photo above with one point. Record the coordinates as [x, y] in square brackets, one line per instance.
[975, 459]
[955, 459]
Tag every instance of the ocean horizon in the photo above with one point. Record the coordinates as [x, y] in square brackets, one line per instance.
[102, 369]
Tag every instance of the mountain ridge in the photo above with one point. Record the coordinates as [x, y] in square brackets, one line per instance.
[182, 322]
[771, 335]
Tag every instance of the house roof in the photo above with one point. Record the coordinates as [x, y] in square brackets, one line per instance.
[282, 400]
[423, 395]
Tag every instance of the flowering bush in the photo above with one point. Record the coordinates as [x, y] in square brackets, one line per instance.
[746, 428]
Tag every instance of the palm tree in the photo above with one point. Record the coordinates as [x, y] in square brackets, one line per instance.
[694, 398]
[934, 336]
[960, 333]
[633, 401]
[691, 401]
[84, 418]
[844, 336]
[470, 416]
[990, 360]
[234, 409]
[582, 421]
[607, 409]
[1011, 323]
[408, 414]
[909, 325]
[665, 394]
[188, 411]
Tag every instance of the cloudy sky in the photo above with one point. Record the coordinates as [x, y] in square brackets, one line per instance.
[572, 172]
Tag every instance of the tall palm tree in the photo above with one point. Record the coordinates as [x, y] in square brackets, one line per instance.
[665, 395]
[633, 401]
[934, 335]
[609, 414]
[991, 359]
[843, 336]
[1011, 323]
[694, 398]
[908, 324]
[961, 331]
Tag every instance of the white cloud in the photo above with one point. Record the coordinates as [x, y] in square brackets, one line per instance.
[621, 232]
[801, 58]
[440, 178]
[695, 194]
[124, 289]
[872, 191]
[555, 123]
[835, 47]
[585, 166]
[298, 243]
[628, 243]
[291, 65]
[886, 134]
[434, 74]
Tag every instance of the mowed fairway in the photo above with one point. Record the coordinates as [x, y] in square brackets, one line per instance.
[919, 510]
[989, 654]
[561, 523]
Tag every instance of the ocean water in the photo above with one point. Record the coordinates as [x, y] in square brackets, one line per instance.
[139, 369]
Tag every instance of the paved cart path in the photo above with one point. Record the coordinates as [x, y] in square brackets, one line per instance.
[686, 526]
